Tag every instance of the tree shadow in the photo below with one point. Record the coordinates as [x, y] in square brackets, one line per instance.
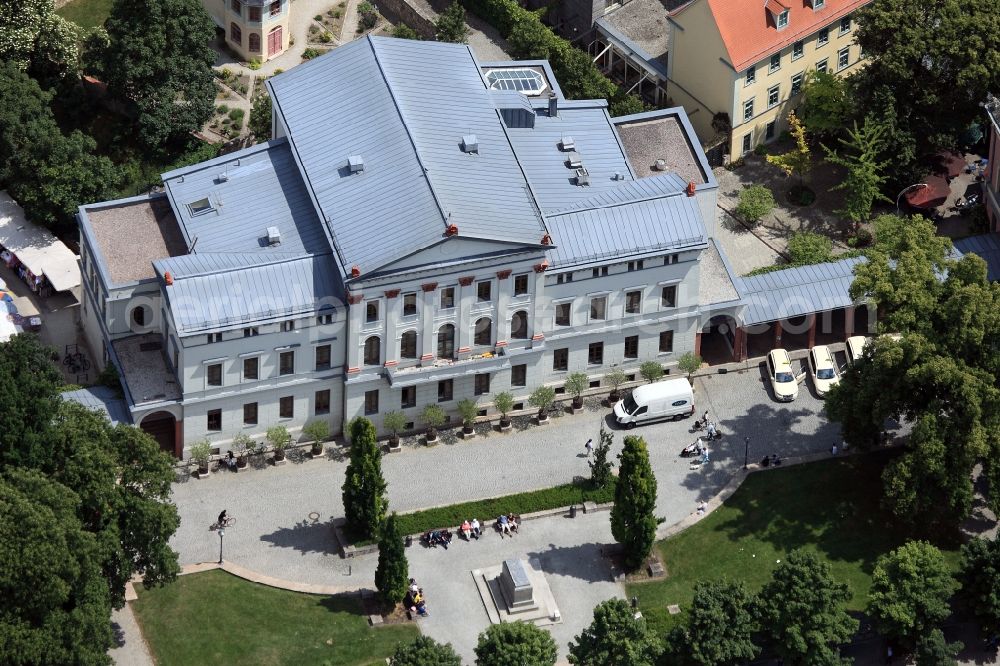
[306, 537]
[585, 561]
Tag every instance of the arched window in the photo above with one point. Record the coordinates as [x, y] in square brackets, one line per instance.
[408, 345]
[519, 325]
[139, 316]
[373, 351]
[235, 34]
[254, 40]
[446, 341]
[483, 334]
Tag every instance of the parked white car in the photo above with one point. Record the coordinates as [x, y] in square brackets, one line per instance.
[855, 348]
[783, 380]
[823, 370]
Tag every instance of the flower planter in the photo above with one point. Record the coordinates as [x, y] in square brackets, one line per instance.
[468, 432]
[505, 424]
[431, 438]
[241, 462]
[614, 397]
[317, 451]
[279, 457]
[203, 471]
[543, 417]
[395, 446]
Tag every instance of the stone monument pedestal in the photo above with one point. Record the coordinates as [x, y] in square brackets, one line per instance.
[517, 590]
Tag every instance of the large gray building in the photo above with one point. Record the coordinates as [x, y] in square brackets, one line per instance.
[422, 228]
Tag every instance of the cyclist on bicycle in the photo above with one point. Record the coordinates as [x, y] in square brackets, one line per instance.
[223, 518]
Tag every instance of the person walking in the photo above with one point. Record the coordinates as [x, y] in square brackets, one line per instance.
[589, 446]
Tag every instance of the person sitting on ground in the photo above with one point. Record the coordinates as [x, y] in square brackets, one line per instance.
[445, 537]
[434, 537]
[413, 587]
[512, 522]
[476, 529]
[231, 459]
[466, 529]
[504, 525]
[702, 508]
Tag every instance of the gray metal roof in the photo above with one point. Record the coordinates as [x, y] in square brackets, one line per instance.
[794, 292]
[102, 399]
[249, 191]
[403, 106]
[205, 302]
[987, 246]
[628, 191]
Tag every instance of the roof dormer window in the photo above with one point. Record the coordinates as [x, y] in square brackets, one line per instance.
[818, 4]
[782, 19]
[779, 13]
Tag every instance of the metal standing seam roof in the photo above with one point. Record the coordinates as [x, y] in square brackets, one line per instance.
[403, 106]
[102, 399]
[987, 246]
[653, 187]
[798, 291]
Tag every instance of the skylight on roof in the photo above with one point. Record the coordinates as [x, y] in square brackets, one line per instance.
[523, 80]
[200, 206]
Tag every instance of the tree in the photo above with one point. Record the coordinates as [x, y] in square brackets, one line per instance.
[403, 31]
[259, 123]
[911, 587]
[450, 26]
[504, 402]
[425, 651]
[933, 650]
[864, 180]
[514, 643]
[392, 575]
[826, 106]
[29, 389]
[689, 363]
[719, 628]
[615, 638]
[801, 611]
[468, 410]
[632, 521]
[807, 247]
[980, 577]
[651, 371]
[542, 398]
[756, 202]
[365, 502]
[798, 161]
[159, 60]
[38, 41]
[576, 384]
[615, 378]
[317, 431]
[600, 466]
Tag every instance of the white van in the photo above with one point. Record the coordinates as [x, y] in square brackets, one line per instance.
[669, 399]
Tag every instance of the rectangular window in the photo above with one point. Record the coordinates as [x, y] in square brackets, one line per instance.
[797, 84]
[821, 65]
[286, 363]
[519, 375]
[564, 277]
[371, 402]
[408, 345]
[250, 413]
[482, 383]
[751, 75]
[408, 397]
[484, 291]
[322, 402]
[287, 326]
[324, 320]
[235, 34]
[563, 314]
[671, 259]
[668, 296]
[798, 49]
[595, 353]
[843, 58]
[286, 407]
[250, 332]
[747, 143]
[520, 285]
[446, 389]
[275, 7]
[748, 110]
[666, 342]
[237, 6]
[819, 4]
[214, 374]
[769, 130]
[598, 308]
[560, 359]
[251, 368]
[371, 311]
[772, 97]
[822, 37]
[447, 298]
[595, 272]
[633, 302]
[409, 305]
[635, 266]
[214, 337]
[254, 14]
[323, 357]
[775, 63]
[783, 19]
[214, 420]
[845, 25]
[632, 346]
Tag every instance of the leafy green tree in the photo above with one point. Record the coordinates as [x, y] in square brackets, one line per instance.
[392, 574]
[689, 363]
[38, 41]
[364, 492]
[862, 186]
[826, 105]
[651, 371]
[425, 651]
[259, 123]
[542, 398]
[29, 388]
[600, 466]
[159, 59]
[798, 161]
[622, 104]
[801, 611]
[719, 628]
[403, 31]
[755, 203]
[450, 26]
[632, 521]
[531, 40]
[513, 643]
[576, 384]
[615, 638]
[807, 247]
[980, 577]
[933, 650]
[911, 587]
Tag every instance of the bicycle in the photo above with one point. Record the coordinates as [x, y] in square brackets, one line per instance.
[228, 522]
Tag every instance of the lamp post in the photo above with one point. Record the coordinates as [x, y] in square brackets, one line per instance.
[746, 451]
[222, 533]
[905, 190]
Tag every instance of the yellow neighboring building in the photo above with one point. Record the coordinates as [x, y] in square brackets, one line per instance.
[255, 29]
[748, 59]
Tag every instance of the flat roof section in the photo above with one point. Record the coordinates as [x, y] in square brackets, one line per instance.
[661, 138]
[144, 367]
[131, 236]
[645, 23]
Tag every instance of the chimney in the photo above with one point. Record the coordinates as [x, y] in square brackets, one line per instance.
[553, 105]
[168, 278]
[690, 188]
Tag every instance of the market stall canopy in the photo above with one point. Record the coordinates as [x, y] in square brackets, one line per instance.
[36, 248]
[931, 196]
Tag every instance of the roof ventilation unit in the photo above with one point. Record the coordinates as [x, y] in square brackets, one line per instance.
[582, 176]
[567, 143]
[356, 163]
[619, 175]
[470, 143]
[661, 165]
[273, 236]
[222, 177]
[574, 160]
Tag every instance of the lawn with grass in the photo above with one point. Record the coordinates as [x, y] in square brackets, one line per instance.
[86, 13]
[830, 507]
[217, 618]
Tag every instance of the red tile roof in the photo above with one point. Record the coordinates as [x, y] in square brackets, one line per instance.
[749, 31]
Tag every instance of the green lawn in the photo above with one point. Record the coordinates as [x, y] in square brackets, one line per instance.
[87, 13]
[830, 507]
[216, 618]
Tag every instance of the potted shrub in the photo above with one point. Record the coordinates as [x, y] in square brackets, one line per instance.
[576, 384]
[394, 422]
[542, 398]
[468, 410]
[434, 417]
[688, 364]
[317, 431]
[504, 402]
[279, 438]
[201, 453]
[241, 444]
[615, 379]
